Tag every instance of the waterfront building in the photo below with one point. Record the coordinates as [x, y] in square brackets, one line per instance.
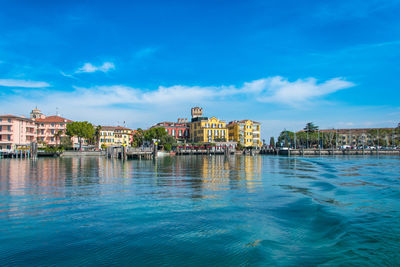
[16, 132]
[205, 130]
[245, 132]
[51, 129]
[122, 136]
[107, 136]
[179, 130]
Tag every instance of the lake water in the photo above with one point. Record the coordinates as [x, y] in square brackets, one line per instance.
[201, 211]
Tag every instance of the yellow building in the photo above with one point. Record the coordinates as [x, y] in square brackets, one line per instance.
[245, 132]
[204, 130]
[123, 136]
[107, 136]
[115, 136]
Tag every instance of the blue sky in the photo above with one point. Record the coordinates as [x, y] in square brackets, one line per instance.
[283, 63]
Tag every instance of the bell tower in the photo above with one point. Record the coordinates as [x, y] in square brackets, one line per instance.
[37, 114]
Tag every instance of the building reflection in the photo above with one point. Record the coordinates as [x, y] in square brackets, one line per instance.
[186, 176]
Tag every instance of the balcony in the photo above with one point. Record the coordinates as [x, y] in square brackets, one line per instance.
[6, 141]
[3, 122]
[6, 132]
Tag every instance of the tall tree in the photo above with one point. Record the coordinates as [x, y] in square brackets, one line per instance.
[58, 135]
[138, 138]
[80, 129]
[310, 127]
[97, 133]
[272, 142]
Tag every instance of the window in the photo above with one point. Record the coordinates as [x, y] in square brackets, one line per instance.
[9, 138]
[173, 132]
[52, 139]
[52, 131]
[219, 125]
[180, 132]
[209, 132]
[213, 125]
[9, 120]
[52, 125]
[61, 124]
[223, 133]
[9, 128]
[215, 132]
[0, 128]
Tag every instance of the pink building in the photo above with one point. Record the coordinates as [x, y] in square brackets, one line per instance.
[179, 130]
[16, 132]
[48, 127]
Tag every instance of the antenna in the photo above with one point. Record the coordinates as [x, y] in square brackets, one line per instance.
[56, 111]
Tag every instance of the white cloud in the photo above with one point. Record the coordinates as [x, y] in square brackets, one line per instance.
[281, 90]
[143, 107]
[89, 67]
[23, 83]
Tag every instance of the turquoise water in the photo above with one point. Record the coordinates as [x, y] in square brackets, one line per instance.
[201, 211]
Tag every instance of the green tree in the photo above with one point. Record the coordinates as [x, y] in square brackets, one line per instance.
[155, 133]
[66, 142]
[310, 127]
[167, 147]
[272, 142]
[58, 135]
[96, 136]
[286, 138]
[138, 138]
[80, 129]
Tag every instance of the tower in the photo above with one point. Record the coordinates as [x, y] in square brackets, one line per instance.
[37, 114]
[197, 112]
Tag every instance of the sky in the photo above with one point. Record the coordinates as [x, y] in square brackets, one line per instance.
[282, 63]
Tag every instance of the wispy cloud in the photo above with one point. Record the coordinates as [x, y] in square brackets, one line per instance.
[89, 67]
[67, 75]
[300, 92]
[145, 52]
[277, 90]
[23, 83]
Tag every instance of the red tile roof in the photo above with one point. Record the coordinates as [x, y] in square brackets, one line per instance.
[53, 119]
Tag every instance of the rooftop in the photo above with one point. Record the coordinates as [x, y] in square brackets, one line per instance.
[53, 119]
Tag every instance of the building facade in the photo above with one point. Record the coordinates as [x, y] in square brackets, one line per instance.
[107, 136]
[204, 130]
[16, 132]
[245, 132]
[51, 129]
[179, 130]
[122, 136]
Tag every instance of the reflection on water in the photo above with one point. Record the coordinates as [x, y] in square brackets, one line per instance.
[197, 210]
